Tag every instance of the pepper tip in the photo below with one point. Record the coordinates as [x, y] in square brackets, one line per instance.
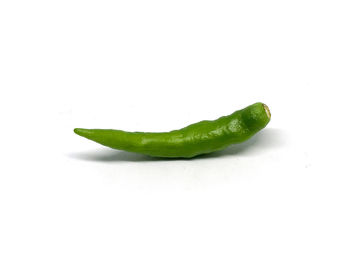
[78, 131]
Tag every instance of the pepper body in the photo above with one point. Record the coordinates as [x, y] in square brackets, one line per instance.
[195, 139]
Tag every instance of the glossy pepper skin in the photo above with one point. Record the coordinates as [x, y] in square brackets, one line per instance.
[195, 139]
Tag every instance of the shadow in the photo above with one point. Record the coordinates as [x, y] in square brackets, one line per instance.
[264, 140]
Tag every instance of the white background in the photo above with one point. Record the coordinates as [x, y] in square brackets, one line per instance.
[283, 196]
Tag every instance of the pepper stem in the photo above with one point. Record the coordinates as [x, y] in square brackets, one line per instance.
[267, 110]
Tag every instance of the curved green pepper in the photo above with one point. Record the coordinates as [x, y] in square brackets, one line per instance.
[195, 139]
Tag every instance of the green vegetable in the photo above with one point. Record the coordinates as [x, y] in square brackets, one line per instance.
[198, 138]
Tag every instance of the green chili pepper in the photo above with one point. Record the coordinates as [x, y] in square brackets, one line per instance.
[195, 139]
